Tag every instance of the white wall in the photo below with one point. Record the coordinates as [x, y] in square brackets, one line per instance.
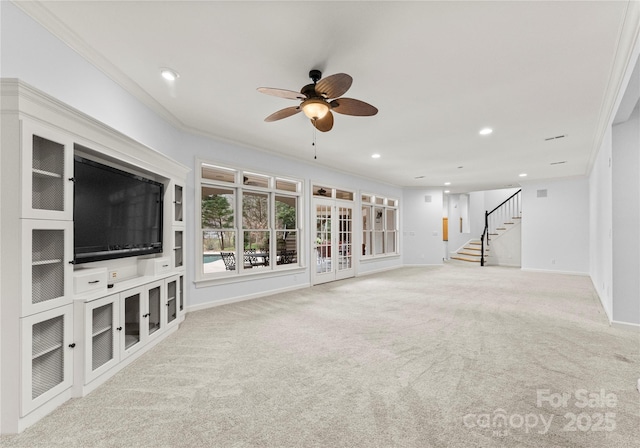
[32, 54]
[422, 226]
[555, 229]
[600, 219]
[626, 216]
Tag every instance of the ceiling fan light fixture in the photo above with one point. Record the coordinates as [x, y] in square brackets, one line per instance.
[315, 108]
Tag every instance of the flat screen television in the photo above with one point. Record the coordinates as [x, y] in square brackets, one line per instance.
[116, 214]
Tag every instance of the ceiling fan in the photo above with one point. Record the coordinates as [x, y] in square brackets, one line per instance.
[319, 99]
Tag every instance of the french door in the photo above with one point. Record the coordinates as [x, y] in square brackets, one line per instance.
[333, 240]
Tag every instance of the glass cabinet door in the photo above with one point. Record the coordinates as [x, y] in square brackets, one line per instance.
[131, 313]
[172, 300]
[154, 309]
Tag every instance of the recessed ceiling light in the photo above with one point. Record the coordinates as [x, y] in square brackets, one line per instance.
[169, 75]
[486, 131]
[375, 156]
[447, 191]
[447, 183]
[523, 174]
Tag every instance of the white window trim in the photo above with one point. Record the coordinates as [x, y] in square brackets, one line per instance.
[240, 275]
[373, 256]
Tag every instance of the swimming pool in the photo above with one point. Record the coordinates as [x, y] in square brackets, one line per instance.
[209, 258]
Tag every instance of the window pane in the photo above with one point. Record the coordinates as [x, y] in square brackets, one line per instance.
[286, 212]
[215, 244]
[379, 219]
[218, 174]
[321, 191]
[380, 201]
[379, 242]
[391, 243]
[366, 198]
[256, 249]
[286, 185]
[255, 210]
[217, 207]
[255, 180]
[287, 247]
[392, 202]
[367, 241]
[366, 218]
[341, 194]
[391, 219]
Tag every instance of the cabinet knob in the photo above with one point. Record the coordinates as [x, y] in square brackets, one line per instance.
[72, 179]
[146, 315]
[119, 328]
[73, 344]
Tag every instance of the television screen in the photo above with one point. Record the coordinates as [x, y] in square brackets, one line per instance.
[115, 214]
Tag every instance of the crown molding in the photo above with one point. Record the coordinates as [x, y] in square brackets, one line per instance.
[38, 11]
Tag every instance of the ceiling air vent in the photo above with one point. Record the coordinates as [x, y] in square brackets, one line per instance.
[555, 138]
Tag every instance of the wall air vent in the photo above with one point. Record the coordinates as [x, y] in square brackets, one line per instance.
[542, 193]
[427, 198]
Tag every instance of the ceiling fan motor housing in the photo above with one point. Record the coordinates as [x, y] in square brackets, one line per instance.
[315, 75]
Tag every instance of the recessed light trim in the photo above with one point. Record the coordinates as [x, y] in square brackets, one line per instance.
[485, 131]
[169, 74]
[447, 183]
[375, 156]
[447, 191]
[522, 174]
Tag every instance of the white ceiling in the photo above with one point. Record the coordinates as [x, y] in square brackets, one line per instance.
[437, 71]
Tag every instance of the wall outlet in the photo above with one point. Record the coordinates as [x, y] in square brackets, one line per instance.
[553, 261]
[113, 275]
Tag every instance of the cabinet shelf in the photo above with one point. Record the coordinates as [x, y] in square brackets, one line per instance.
[46, 262]
[100, 331]
[47, 174]
[47, 350]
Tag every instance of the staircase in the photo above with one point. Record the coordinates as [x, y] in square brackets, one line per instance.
[498, 221]
[471, 252]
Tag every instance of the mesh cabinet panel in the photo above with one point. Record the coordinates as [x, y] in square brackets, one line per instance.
[47, 355]
[102, 340]
[48, 175]
[47, 265]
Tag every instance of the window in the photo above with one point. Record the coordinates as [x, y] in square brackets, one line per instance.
[379, 226]
[249, 222]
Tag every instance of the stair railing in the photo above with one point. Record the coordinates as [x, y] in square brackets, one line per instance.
[507, 210]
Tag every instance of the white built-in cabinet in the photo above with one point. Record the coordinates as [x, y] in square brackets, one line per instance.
[47, 172]
[63, 331]
[47, 356]
[47, 271]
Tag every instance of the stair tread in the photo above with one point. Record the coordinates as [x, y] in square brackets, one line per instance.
[465, 259]
[469, 253]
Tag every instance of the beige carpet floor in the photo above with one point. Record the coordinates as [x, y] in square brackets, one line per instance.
[452, 356]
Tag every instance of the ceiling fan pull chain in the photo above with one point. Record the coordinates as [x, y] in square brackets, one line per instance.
[315, 156]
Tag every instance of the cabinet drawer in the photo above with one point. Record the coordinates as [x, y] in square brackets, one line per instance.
[154, 266]
[93, 279]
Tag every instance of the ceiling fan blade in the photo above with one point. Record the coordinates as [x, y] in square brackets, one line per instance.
[282, 93]
[349, 106]
[334, 86]
[325, 123]
[283, 113]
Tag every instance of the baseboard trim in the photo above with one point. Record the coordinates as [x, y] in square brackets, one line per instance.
[377, 271]
[258, 295]
[550, 271]
[625, 326]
